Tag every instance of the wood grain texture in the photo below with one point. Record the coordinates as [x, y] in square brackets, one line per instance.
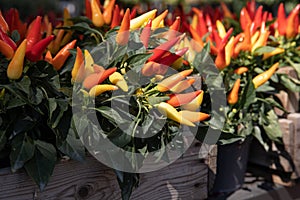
[184, 179]
[295, 118]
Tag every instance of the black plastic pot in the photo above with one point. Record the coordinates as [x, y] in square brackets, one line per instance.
[231, 166]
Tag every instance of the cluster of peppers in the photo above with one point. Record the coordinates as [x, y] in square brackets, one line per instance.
[40, 41]
[95, 79]
[224, 46]
[39, 36]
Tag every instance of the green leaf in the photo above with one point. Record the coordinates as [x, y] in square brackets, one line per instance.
[248, 95]
[3, 139]
[272, 102]
[15, 36]
[289, 83]
[73, 147]
[47, 150]
[111, 114]
[272, 129]
[156, 100]
[40, 167]
[137, 61]
[23, 85]
[257, 134]
[296, 66]
[22, 150]
[127, 182]
[264, 49]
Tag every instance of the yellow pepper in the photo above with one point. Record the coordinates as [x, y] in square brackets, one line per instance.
[97, 17]
[170, 112]
[260, 79]
[195, 103]
[15, 67]
[118, 79]
[99, 89]
[139, 21]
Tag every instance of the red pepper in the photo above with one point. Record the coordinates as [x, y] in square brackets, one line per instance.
[3, 24]
[159, 51]
[61, 57]
[38, 49]
[7, 40]
[145, 34]
[208, 23]
[233, 95]
[123, 33]
[257, 19]
[281, 19]
[226, 11]
[34, 33]
[172, 57]
[6, 50]
[14, 23]
[88, 10]
[78, 71]
[133, 13]
[216, 37]
[97, 78]
[169, 82]
[196, 36]
[181, 99]
[202, 29]
[244, 19]
[174, 28]
[251, 8]
[107, 14]
[116, 20]
[293, 22]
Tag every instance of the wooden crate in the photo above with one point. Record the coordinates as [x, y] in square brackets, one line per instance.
[186, 178]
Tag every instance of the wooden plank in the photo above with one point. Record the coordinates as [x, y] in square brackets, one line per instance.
[186, 178]
[295, 118]
[287, 128]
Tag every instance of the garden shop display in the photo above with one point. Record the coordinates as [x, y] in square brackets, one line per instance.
[139, 81]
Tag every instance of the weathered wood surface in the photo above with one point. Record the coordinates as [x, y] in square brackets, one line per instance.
[184, 179]
[295, 118]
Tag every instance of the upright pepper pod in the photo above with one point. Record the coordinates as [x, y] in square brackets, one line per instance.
[244, 19]
[36, 52]
[97, 16]
[78, 73]
[3, 24]
[61, 57]
[159, 51]
[158, 21]
[6, 50]
[281, 19]
[15, 67]
[145, 34]
[139, 21]
[292, 22]
[108, 11]
[123, 33]
[7, 40]
[34, 33]
[116, 19]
